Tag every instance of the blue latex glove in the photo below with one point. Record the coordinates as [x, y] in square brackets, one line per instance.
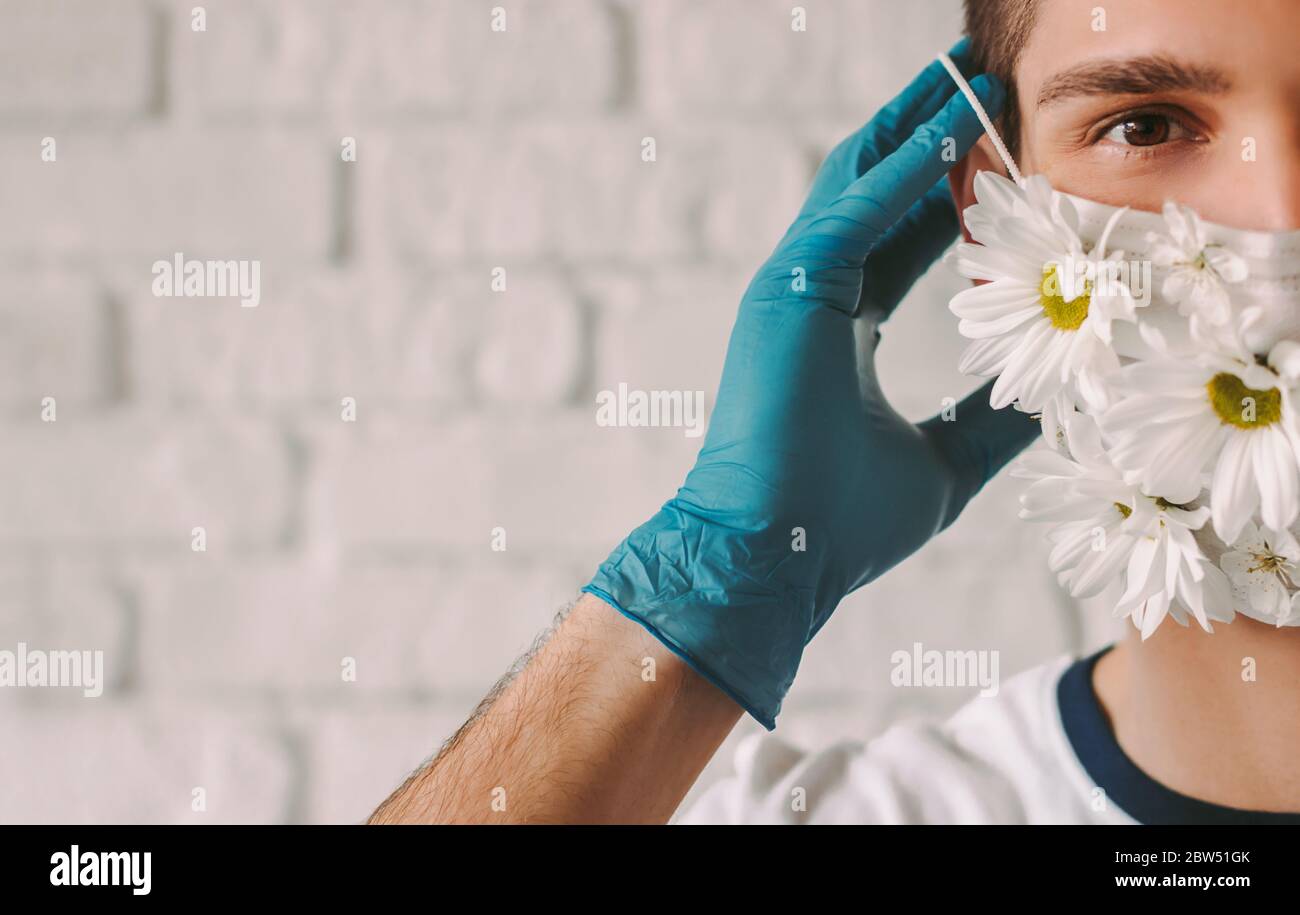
[801, 435]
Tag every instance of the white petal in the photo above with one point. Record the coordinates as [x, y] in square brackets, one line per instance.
[1285, 359]
[1157, 609]
[1226, 263]
[1025, 359]
[1145, 571]
[1043, 463]
[994, 191]
[1275, 476]
[1216, 597]
[1233, 495]
[1107, 565]
[995, 261]
[997, 327]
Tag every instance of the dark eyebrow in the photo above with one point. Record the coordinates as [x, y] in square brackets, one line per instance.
[1133, 76]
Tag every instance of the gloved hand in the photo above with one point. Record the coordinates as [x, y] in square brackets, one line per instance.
[808, 484]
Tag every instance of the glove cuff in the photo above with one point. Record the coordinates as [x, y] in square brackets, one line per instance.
[745, 638]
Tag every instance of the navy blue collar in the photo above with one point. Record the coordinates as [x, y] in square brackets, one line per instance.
[1126, 786]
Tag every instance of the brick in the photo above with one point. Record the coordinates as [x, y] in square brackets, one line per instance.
[186, 351]
[578, 192]
[556, 482]
[484, 613]
[358, 757]
[533, 345]
[737, 57]
[883, 44]
[107, 762]
[357, 61]
[110, 478]
[80, 605]
[737, 222]
[76, 57]
[19, 592]
[507, 195]
[443, 628]
[54, 342]
[315, 338]
[236, 629]
[383, 337]
[58, 604]
[667, 330]
[129, 199]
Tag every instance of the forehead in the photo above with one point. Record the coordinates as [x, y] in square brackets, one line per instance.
[1253, 43]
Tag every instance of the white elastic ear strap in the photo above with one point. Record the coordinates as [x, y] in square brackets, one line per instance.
[983, 115]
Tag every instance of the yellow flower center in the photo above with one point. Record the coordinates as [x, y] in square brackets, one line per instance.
[1063, 315]
[1269, 562]
[1243, 407]
[1123, 509]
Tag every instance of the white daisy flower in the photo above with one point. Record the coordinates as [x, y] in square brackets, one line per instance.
[1213, 419]
[1168, 574]
[1041, 321]
[1264, 568]
[1108, 529]
[1078, 489]
[1199, 271]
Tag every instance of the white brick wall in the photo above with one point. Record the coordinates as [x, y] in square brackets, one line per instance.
[371, 540]
[70, 57]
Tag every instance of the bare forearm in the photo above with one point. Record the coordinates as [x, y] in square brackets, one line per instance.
[602, 725]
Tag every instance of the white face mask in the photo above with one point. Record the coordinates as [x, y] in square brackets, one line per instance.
[1269, 269]
[1162, 353]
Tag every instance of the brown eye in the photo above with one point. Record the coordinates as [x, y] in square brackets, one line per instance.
[1142, 130]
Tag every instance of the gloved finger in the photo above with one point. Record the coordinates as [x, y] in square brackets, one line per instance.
[851, 225]
[976, 441]
[908, 249]
[857, 153]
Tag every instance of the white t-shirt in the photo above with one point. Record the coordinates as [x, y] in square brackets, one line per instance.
[1039, 751]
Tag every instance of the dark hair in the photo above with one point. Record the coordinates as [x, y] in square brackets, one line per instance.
[999, 30]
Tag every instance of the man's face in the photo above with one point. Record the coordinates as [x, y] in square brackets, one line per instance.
[1192, 100]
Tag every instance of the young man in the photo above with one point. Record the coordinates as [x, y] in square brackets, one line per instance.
[1156, 105]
